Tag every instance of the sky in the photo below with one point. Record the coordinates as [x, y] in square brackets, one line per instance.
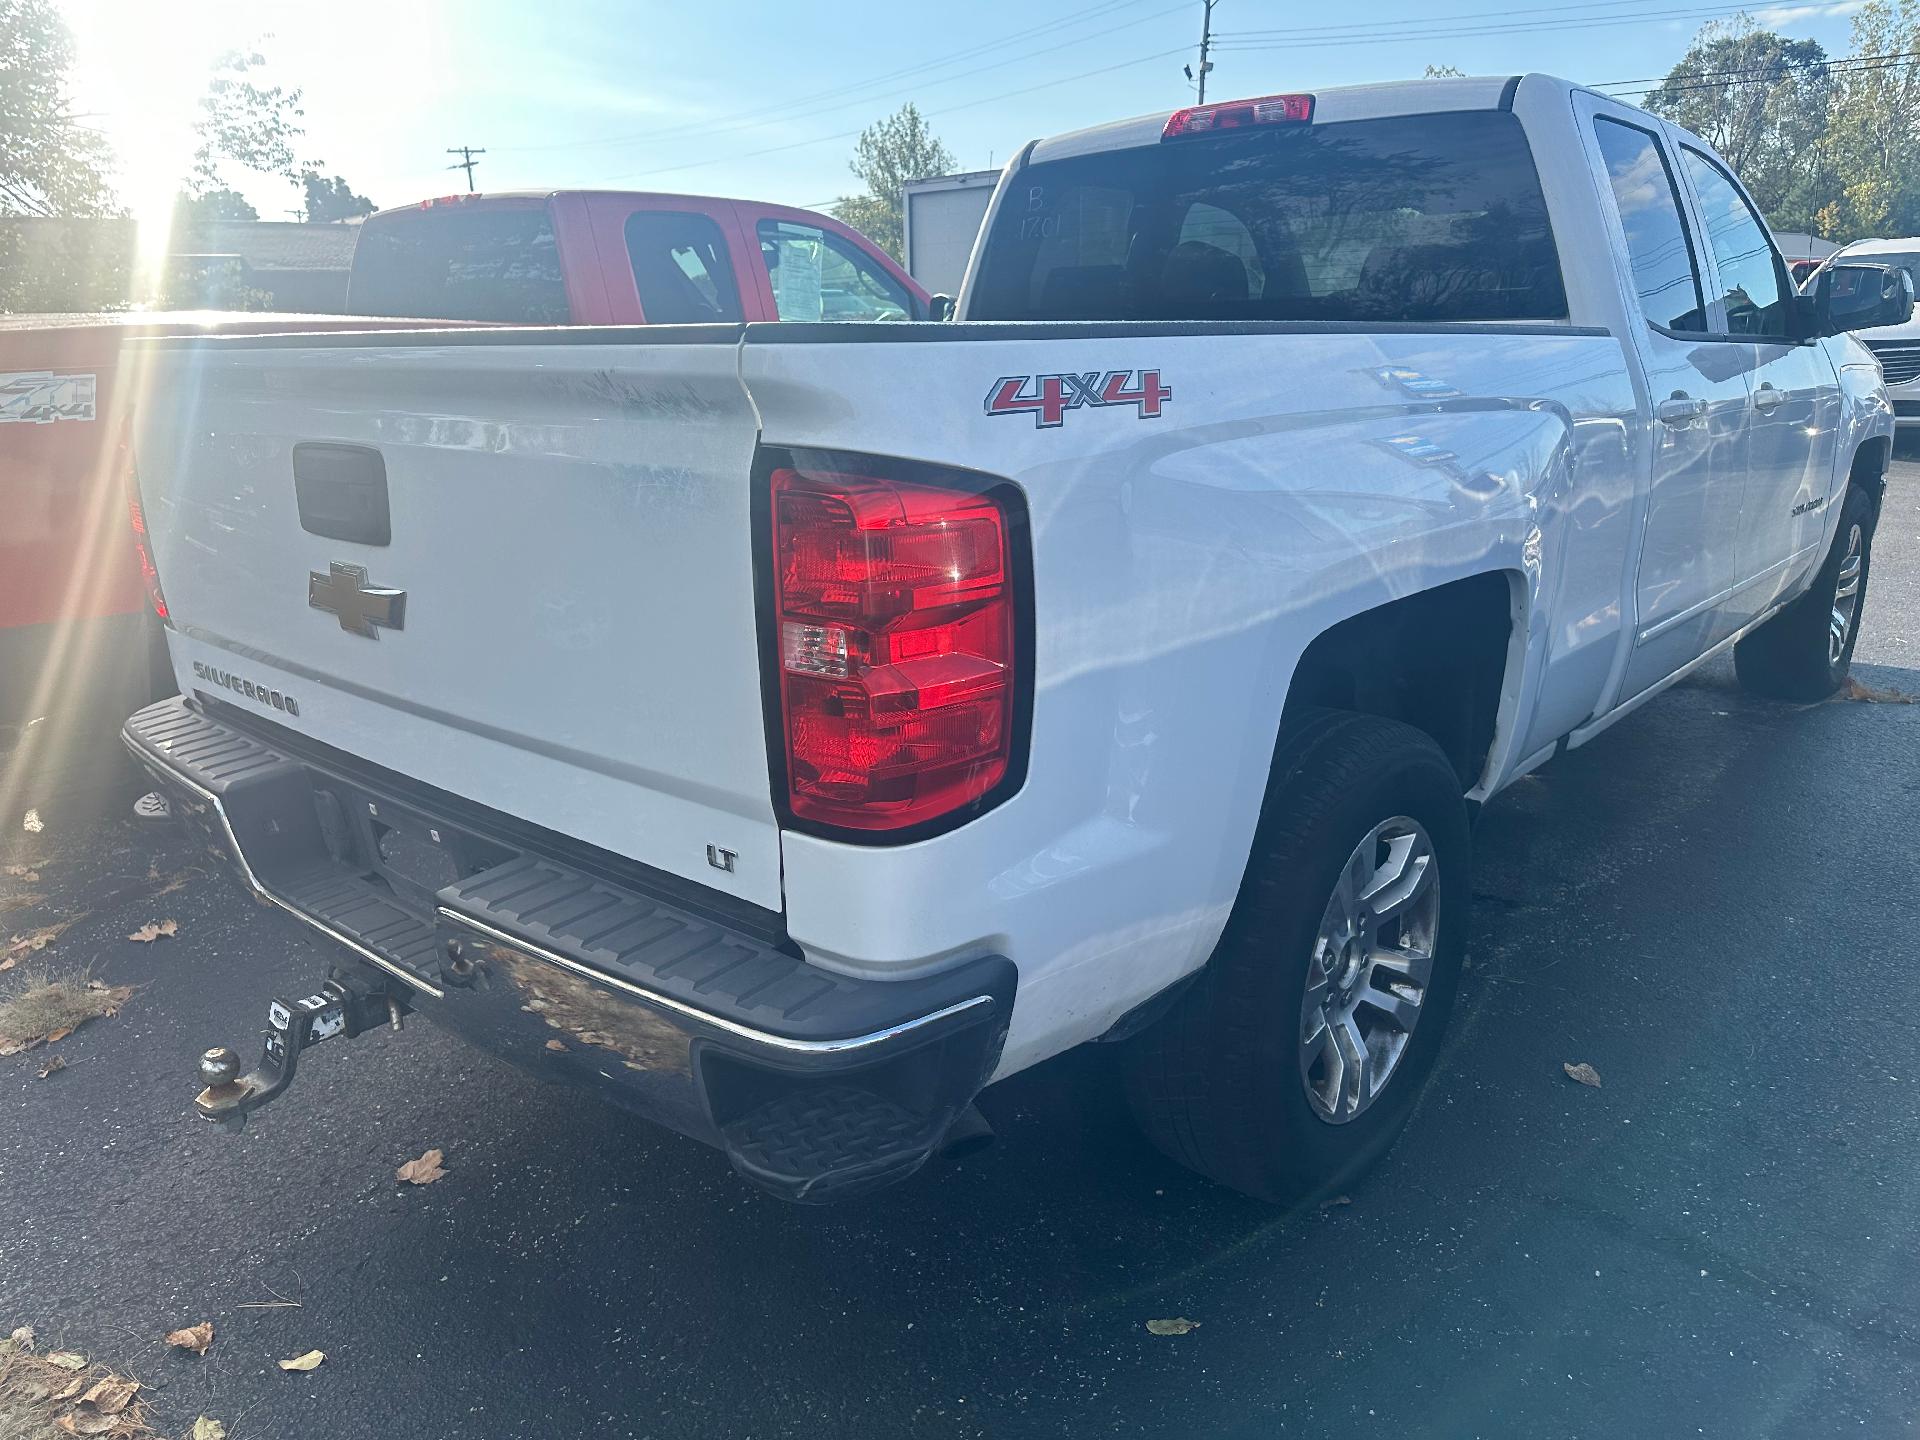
[763, 100]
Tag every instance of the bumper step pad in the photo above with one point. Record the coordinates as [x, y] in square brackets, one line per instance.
[817, 1085]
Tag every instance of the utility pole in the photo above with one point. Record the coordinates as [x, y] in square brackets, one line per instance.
[1206, 45]
[466, 162]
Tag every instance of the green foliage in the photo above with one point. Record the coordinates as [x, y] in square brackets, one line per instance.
[1829, 148]
[50, 164]
[1443, 72]
[885, 157]
[212, 205]
[255, 126]
[333, 199]
[66, 268]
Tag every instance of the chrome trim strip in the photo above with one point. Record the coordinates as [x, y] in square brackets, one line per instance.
[147, 757]
[744, 1032]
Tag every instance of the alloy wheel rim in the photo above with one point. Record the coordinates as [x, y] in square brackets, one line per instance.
[1846, 596]
[1371, 967]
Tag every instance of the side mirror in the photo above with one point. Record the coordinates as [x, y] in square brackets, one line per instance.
[1861, 297]
[939, 307]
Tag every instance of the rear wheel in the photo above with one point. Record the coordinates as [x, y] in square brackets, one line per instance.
[1805, 651]
[1295, 1058]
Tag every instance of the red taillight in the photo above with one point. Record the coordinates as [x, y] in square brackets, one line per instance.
[1238, 115]
[137, 518]
[894, 607]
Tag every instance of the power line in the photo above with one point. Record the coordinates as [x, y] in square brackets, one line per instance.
[839, 97]
[1430, 32]
[1290, 31]
[944, 110]
[1684, 88]
[466, 162]
[1779, 69]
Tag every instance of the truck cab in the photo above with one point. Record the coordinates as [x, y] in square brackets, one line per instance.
[608, 257]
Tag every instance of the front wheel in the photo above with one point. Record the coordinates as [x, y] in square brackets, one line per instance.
[1805, 651]
[1295, 1058]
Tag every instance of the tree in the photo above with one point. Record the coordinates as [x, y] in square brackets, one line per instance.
[886, 156]
[50, 164]
[333, 199]
[1763, 102]
[255, 126]
[211, 206]
[1873, 139]
[1444, 72]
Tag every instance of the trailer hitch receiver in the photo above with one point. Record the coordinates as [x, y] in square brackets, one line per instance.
[345, 1005]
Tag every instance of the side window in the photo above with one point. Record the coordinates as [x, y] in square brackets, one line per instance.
[817, 275]
[1750, 280]
[1665, 275]
[680, 268]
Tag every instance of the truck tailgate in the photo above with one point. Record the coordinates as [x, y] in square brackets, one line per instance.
[569, 524]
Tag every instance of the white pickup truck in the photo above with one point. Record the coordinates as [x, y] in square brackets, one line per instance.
[787, 730]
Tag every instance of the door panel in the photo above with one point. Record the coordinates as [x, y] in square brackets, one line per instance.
[1794, 393]
[1697, 389]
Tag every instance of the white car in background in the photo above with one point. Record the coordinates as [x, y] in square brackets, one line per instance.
[1897, 347]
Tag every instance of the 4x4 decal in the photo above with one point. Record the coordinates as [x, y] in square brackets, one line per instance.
[1048, 398]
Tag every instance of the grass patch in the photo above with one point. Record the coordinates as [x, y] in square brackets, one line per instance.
[38, 1007]
[42, 1398]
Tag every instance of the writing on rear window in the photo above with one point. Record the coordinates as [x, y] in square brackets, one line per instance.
[1048, 398]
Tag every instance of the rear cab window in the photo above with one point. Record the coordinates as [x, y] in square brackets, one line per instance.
[818, 275]
[681, 269]
[461, 262]
[1409, 218]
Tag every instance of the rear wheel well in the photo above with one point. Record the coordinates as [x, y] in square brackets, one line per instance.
[1870, 464]
[1435, 661]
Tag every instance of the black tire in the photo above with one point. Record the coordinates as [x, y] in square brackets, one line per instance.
[1791, 657]
[1216, 1083]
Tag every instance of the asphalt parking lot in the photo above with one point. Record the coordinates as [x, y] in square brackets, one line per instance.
[1715, 905]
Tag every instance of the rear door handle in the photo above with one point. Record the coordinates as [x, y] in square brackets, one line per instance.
[1768, 398]
[1680, 410]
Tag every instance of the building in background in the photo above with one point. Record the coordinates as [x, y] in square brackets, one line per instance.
[1802, 252]
[941, 218]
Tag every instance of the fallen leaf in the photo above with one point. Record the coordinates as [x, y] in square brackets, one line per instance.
[86, 1422]
[205, 1429]
[21, 872]
[58, 1035]
[79, 1384]
[423, 1171]
[1582, 1072]
[555, 1045]
[194, 1337]
[37, 941]
[1178, 1326]
[154, 929]
[54, 1062]
[32, 823]
[67, 1360]
[309, 1361]
[23, 1337]
[8, 963]
[1869, 695]
[111, 1395]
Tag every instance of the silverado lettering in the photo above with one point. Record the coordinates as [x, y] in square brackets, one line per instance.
[260, 694]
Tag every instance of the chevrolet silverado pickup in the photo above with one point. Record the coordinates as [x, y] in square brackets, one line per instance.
[788, 730]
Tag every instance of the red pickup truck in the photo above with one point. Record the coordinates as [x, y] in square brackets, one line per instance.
[77, 641]
[603, 257]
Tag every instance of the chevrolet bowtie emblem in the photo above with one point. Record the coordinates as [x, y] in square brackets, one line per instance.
[364, 609]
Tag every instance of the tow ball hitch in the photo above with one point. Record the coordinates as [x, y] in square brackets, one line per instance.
[345, 1005]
